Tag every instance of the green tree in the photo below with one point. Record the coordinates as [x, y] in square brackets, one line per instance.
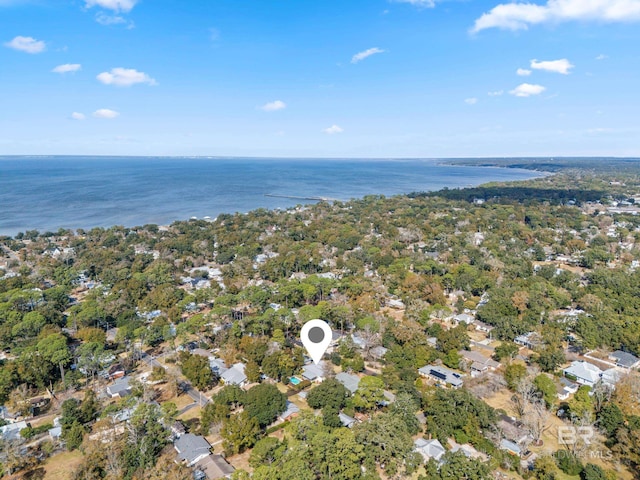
[239, 432]
[506, 350]
[581, 405]
[266, 451]
[73, 435]
[265, 402]
[457, 466]
[513, 374]
[593, 472]
[405, 408]
[610, 419]
[386, 441]
[328, 393]
[196, 368]
[547, 388]
[370, 393]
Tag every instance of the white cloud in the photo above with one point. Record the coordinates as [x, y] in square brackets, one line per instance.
[125, 77]
[333, 129]
[274, 106]
[67, 67]
[364, 54]
[106, 19]
[495, 93]
[471, 101]
[26, 44]
[523, 72]
[558, 66]
[78, 116]
[527, 89]
[105, 113]
[518, 16]
[419, 3]
[602, 56]
[115, 5]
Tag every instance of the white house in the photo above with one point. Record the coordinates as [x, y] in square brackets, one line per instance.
[429, 449]
[235, 375]
[583, 372]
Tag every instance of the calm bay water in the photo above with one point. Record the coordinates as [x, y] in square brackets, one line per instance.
[83, 192]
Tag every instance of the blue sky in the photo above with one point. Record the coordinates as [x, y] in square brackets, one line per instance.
[352, 78]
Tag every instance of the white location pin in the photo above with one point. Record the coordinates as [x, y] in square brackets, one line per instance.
[316, 337]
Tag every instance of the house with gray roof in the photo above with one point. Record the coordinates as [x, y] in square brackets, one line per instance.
[530, 340]
[235, 375]
[378, 352]
[349, 381]
[313, 372]
[120, 388]
[584, 373]
[477, 362]
[464, 318]
[55, 433]
[191, 448]
[11, 431]
[624, 359]
[510, 447]
[612, 376]
[291, 410]
[346, 420]
[429, 449]
[217, 365]
[442, 375]
[212, 467]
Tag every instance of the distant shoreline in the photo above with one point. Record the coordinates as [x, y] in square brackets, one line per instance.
[71, 193]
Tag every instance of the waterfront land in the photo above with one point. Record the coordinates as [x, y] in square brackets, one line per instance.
[488, 332]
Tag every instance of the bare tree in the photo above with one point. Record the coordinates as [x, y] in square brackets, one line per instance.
[526, 394]
[535, 419]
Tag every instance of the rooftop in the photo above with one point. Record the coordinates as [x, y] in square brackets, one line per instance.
[584, 371]
[349, 381]
[442, 374]
[234, 375]
[312, 371]
[624, 359]
[191, 447]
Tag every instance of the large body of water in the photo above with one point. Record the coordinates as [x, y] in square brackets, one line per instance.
[83, 192]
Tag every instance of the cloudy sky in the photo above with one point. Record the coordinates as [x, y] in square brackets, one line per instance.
[356, 78]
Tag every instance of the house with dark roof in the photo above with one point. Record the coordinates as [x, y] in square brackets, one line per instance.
[442, 375]
[624, 359]
[191, 448]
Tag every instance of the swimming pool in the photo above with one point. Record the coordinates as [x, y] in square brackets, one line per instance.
[294, 380]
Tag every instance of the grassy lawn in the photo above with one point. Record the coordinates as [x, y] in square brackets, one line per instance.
[191, 413]
[62, 465]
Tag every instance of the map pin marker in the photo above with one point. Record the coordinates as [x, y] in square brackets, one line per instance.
[316, 337]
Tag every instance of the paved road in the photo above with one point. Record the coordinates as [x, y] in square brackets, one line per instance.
[195, 394]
